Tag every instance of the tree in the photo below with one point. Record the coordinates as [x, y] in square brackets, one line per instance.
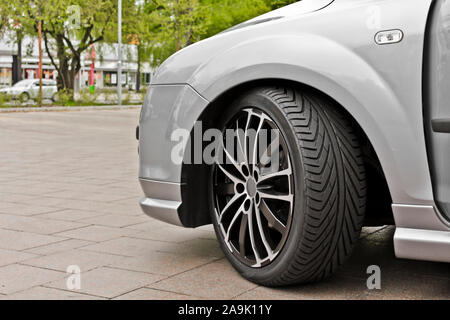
[225, 14]
[174, 24]
[157, 27]
[4, 16]
[137, 30]
[69, 28]
[275, 4]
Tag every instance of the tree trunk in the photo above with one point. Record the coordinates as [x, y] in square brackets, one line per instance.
[17, 60]
[69, 66]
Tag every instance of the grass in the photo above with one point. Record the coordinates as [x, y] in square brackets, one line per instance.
[72, 104]
[86, 99]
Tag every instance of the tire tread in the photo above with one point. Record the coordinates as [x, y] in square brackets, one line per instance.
[335, 185]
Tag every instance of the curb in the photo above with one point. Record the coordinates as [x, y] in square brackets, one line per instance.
[66, 109]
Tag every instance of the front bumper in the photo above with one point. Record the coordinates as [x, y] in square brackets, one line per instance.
[162, 201]
[167, 109]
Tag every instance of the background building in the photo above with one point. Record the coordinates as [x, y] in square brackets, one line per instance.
[105, 65]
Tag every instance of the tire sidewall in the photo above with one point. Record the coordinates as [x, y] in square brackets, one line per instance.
[257, 99]
[24, 97]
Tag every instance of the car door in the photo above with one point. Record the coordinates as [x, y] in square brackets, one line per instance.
[34, 90]
[47, 89]
[436, 106]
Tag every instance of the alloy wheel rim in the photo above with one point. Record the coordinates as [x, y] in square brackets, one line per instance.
[254, 201]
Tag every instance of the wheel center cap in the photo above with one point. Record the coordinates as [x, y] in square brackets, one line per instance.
[251, 187]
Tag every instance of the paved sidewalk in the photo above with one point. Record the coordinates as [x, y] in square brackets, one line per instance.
[69, 196]
[66, 109]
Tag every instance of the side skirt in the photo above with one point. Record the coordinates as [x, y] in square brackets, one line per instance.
[421, 234]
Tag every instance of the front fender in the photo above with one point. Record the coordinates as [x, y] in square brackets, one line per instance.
[389, 111]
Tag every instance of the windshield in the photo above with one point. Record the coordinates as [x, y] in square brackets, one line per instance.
[22, 84]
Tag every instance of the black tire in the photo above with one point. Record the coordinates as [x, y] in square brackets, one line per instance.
[330, 186]
[24, 97]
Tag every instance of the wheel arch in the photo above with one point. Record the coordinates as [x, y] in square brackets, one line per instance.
[195, 210]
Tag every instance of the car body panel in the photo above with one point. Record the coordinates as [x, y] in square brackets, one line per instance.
[159, 123]
[334, 51]
[380, 96]
[436, 102]
[31, 88]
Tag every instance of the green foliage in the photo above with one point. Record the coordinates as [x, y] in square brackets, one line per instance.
[158, 27]
[4, 13]
[64, 97]
[69, 28]
[175, 24]
[89, 98]
[222, 15]
[275, 4]
[5, 99]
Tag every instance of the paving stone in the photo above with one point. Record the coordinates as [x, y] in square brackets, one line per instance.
[65, 245]
[128, 247]
[15, 240]
[174, 234]
[85, 260]
[37, 225]
[70, 215]
[116, 220]
[150, 294]
[10, 257]
[96, 233]
[23, 210]
[161, 263]
[108, 282]
[217, 279]
[14, 277]
[43, 293]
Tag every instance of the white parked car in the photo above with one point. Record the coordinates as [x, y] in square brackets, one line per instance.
[355, 95]
[29, 89]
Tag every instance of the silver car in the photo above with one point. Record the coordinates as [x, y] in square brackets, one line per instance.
[292, 131]
[29, 89]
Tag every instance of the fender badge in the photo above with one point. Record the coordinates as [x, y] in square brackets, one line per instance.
[389, 37]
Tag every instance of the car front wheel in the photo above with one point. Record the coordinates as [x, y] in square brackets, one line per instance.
[24, 97]
[289, 190]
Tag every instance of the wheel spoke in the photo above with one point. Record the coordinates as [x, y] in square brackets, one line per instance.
[242, 157]
[233, 221]
[242, 234]
[255, 143]
[231, 160]
[262, 234]
[253, 199]
[277, 196]
[279, 174]
[247, 126]
[225, 189]
[228, 205]
[252, 237]
[269, 153]
[230, 176]
[271, 218]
